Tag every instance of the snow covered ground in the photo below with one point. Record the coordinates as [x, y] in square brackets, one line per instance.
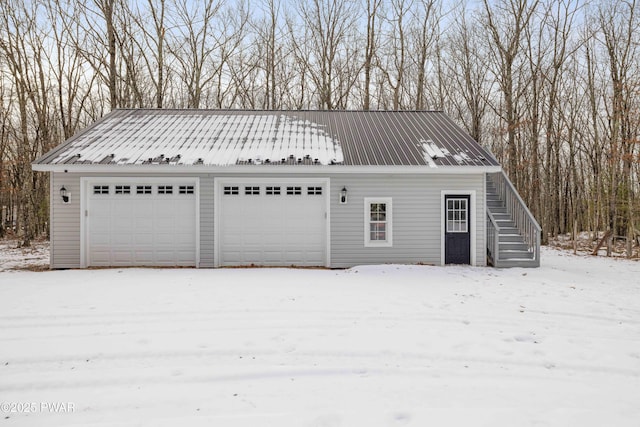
[370, 346]
[35, 257]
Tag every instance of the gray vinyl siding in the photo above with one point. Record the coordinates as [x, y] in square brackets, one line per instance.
[206, 221]
[416, 203]
[417, 215]
[65, 222]
[416, 220]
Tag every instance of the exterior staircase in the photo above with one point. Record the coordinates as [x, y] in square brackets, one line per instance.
[513, 234]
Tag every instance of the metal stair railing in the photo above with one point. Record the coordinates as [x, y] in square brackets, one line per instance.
[493, 239]
[522, 217]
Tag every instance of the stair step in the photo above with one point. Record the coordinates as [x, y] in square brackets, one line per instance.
[508, 230]
[507, 238]
[525, 263]
[505, 223]
[501, 216]
[508, 255]
[512, 249]
[513, 246]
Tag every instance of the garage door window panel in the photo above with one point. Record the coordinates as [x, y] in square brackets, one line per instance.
[123, 189]
[143, 189]
[272, 191]
[294, 191]
[231, 191]
[252, 191]
[165, 189]
[186, 189]
[100, 189]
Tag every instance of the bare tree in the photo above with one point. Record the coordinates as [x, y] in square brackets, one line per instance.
[106, 9]
[151, 47]
[506, 21]
[21, 47]
[553, 87]
[395, 67]
[330, 25]
[424, 36]
[468, 67]
[68, 68]
[618, 25]
[373, 10]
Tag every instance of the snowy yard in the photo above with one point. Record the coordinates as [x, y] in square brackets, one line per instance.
[370, 346]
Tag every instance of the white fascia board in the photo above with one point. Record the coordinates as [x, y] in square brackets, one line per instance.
[263, 169]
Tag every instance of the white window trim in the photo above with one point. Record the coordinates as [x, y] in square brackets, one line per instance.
[472, 220]
[368, 243]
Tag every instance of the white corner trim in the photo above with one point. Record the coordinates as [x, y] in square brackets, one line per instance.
[197, 189]
[217, 185]
[51, 221]
[472, 221]
[83, 222]
[327, 216]
[368, 243]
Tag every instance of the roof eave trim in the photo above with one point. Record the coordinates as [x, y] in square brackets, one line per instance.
[261, 169]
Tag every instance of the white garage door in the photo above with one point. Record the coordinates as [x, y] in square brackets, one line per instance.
[141, 224]
[276, 224]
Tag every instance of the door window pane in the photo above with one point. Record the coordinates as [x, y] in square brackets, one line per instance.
[457, 212]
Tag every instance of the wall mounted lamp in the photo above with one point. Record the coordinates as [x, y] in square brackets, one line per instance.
[64, 194]
[343, 196]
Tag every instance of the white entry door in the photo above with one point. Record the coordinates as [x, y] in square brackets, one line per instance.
[138, 222]
[272, 224]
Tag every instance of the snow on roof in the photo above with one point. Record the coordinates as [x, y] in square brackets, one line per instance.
[249, 137]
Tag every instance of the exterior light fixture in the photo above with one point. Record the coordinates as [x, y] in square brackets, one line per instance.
[343, 196]
[64, 194]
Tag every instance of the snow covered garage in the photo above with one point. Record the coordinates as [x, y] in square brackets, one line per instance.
[210, 188]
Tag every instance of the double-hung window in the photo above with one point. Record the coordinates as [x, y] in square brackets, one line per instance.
[377, 222]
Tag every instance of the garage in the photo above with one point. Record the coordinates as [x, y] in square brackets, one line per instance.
[141, 222]
[278, 223]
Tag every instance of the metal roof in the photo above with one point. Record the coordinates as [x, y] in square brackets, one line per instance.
[260, 137]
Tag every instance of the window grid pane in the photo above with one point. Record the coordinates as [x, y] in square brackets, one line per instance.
[314, 191]
[165, 189]
[378, 222]
[143, 189]
[229, 191]
[294, 191]
[186, 189]
[272, 191]
[123, 189]
[100, 189]
[457, 215]
[251, 191]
